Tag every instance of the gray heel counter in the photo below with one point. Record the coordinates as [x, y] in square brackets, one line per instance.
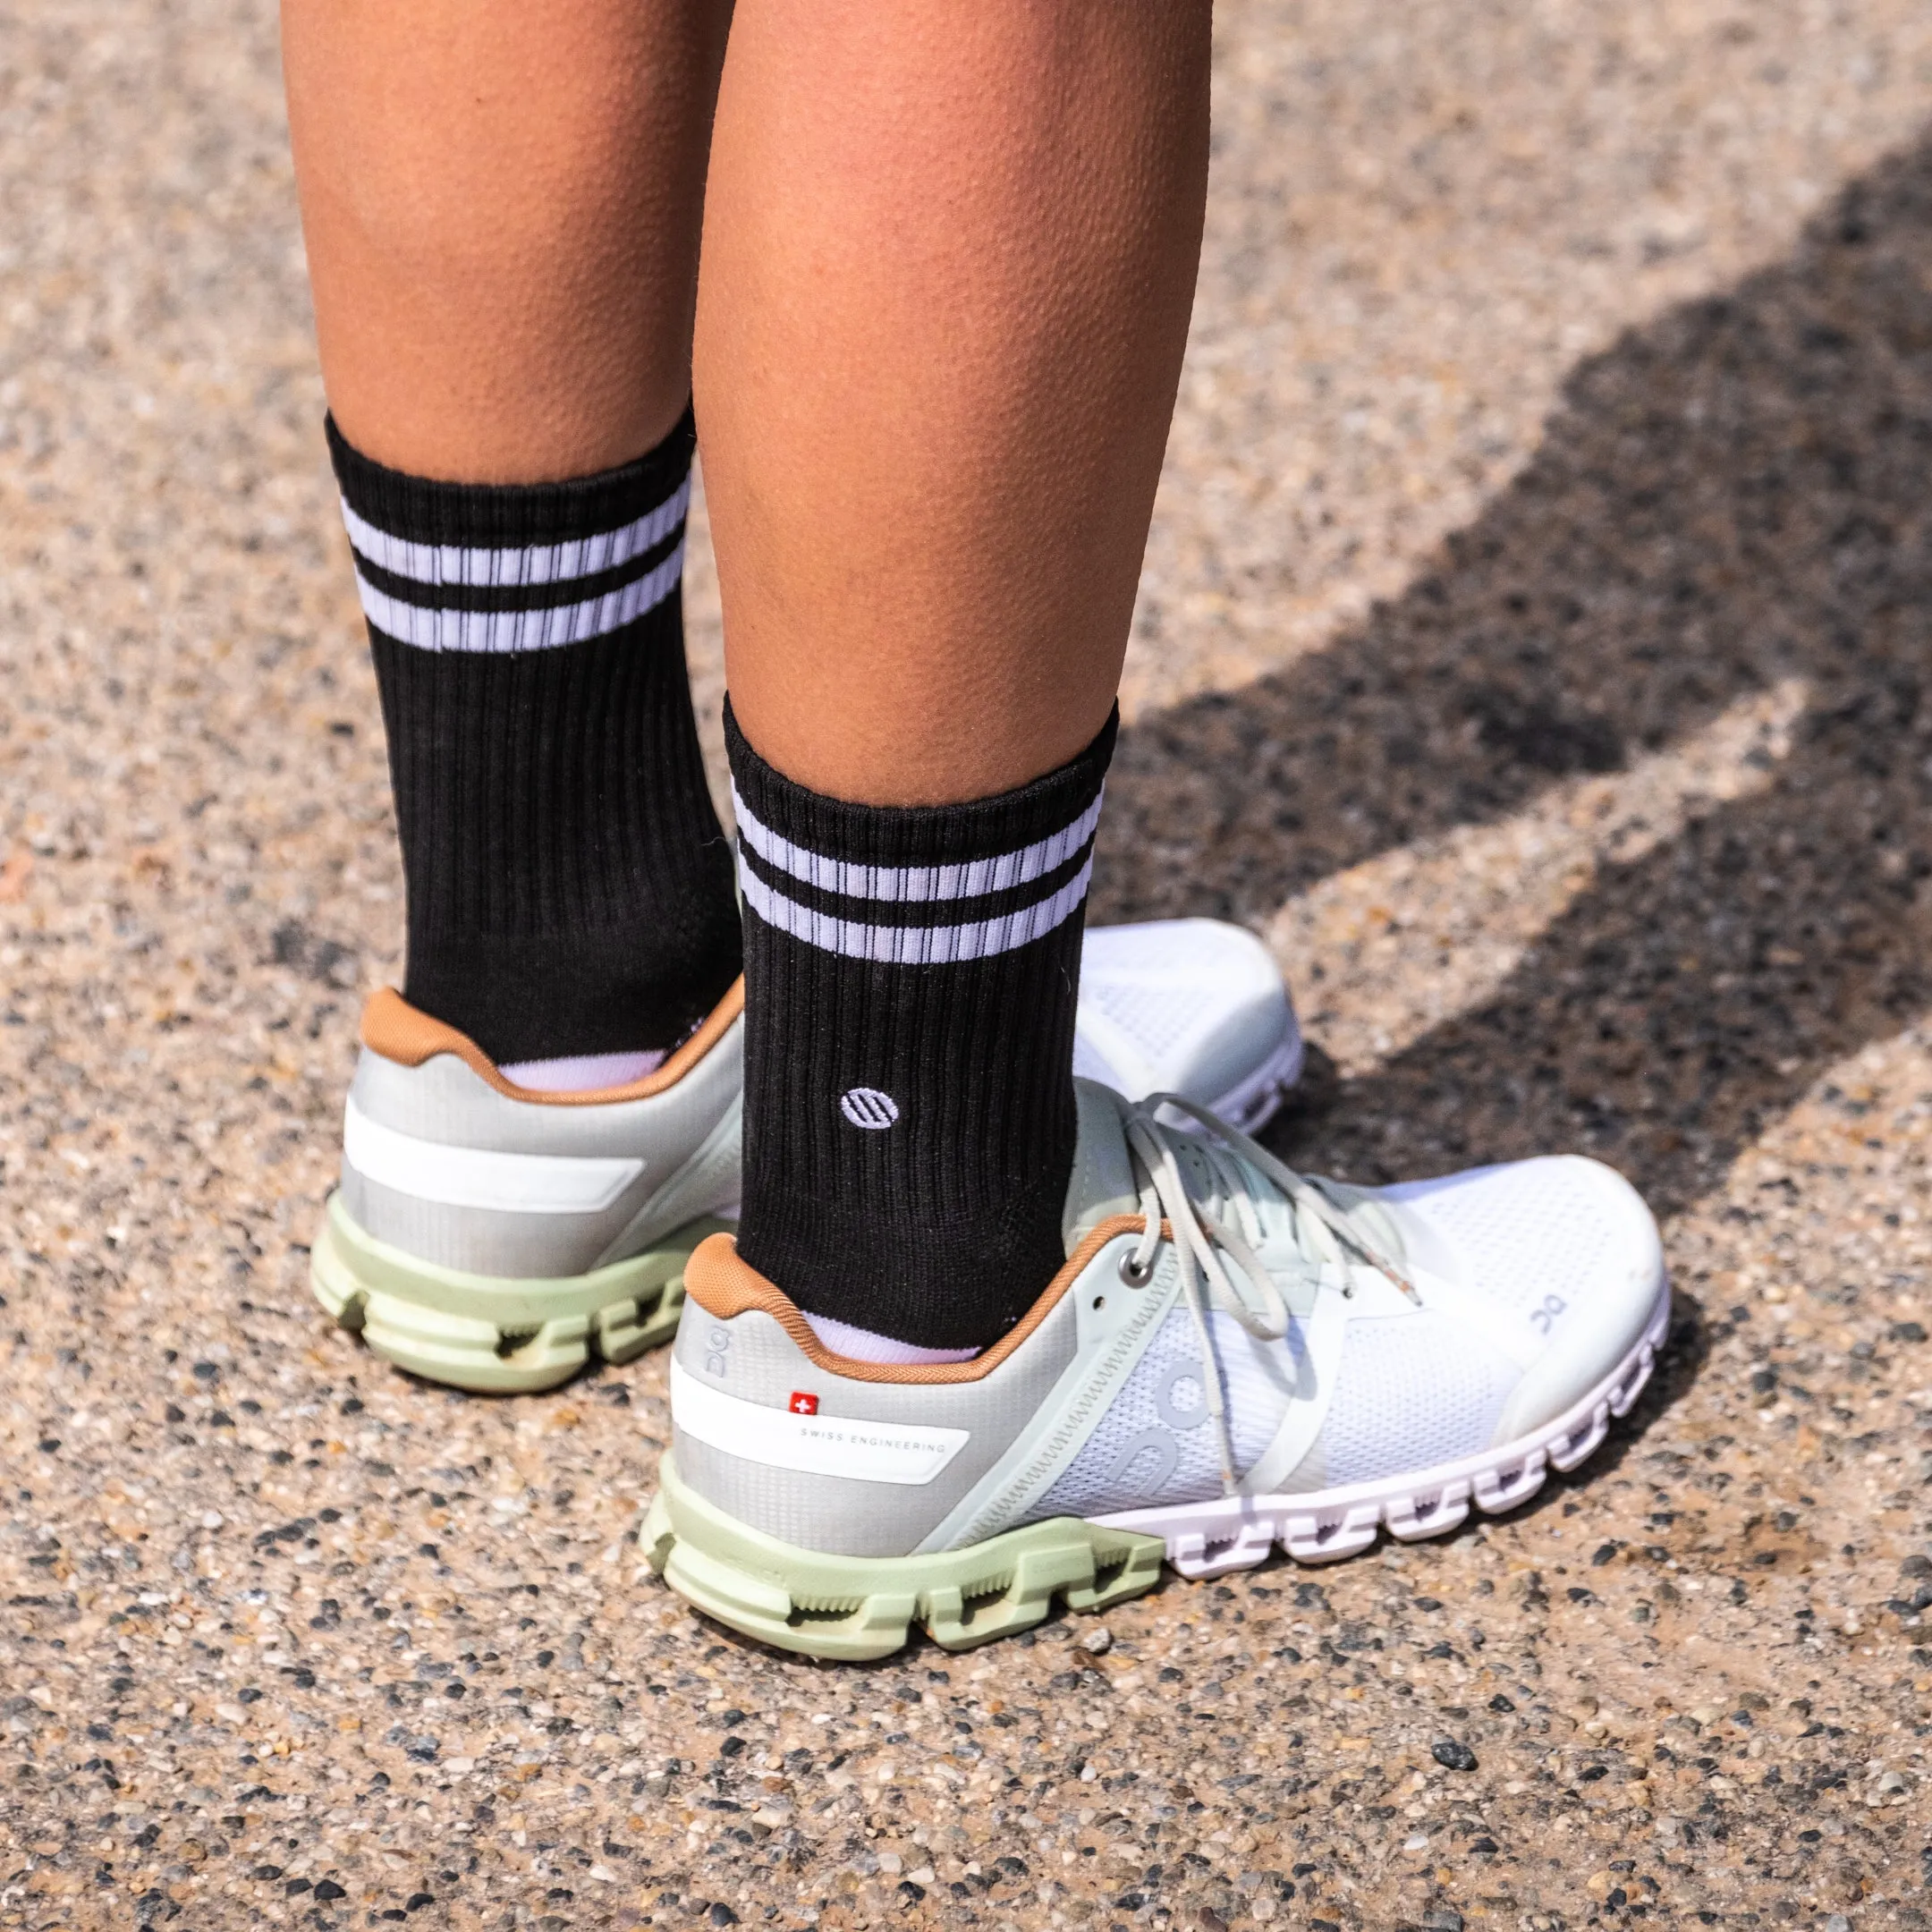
[946, 1436]
[682, 1142]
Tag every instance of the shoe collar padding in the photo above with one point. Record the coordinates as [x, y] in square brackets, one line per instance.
[724, 1286]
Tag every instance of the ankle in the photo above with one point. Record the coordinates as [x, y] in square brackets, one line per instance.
[911, 978]
[569, 887]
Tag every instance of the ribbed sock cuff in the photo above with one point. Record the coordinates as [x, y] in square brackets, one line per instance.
[512, 516]
[488, 569]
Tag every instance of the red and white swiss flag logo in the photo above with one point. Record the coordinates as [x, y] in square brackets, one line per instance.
[803, 1404]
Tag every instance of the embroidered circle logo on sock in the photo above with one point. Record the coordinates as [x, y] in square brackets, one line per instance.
[868, 1107]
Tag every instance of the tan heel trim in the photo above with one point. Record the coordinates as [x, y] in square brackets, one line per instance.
[723, 1285]
[398, 1032]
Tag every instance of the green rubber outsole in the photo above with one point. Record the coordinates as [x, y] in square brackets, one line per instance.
[854, 1608]
[493, 1333]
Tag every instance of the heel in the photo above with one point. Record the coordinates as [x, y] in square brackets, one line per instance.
[497, 1334]
[852, 1609]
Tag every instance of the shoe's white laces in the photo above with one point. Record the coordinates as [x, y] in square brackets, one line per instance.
[1236, 1170]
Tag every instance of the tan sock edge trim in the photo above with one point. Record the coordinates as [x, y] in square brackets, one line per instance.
[401, 1033]
[723, 1287]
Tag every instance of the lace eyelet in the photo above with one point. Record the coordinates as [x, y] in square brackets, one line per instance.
[1136, 1278]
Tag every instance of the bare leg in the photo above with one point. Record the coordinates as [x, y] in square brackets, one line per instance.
[949, 259]
[502, 207]
[503, 204]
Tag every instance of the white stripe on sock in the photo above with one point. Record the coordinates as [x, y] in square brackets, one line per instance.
[498, 565]
[433, 629]
[915, 945]
[903, 884]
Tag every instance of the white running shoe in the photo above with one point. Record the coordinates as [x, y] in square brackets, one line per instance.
[492, 1236]
[1233, 1357]
[1190, 1006]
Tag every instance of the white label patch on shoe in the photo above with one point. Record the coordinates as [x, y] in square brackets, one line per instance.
[813, 1445]
[481, 1177]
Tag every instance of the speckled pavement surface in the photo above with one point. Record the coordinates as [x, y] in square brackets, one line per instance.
[1536, 644]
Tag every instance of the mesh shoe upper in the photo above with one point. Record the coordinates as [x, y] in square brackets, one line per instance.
[1191, 1006]
[1524, 1229]
[1156, 1436]
[1411, 1392]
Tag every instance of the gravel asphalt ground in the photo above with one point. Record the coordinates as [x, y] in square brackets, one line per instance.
[1536, 644]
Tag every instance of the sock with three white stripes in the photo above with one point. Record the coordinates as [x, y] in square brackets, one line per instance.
[570, 888]
[911, 980]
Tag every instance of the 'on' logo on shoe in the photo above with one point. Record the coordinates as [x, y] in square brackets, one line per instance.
[868, 1107]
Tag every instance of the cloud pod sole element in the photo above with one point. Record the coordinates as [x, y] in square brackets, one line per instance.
[494, 1334]
[851, 1608]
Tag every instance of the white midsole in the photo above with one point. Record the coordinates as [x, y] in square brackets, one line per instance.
[1237, 1532]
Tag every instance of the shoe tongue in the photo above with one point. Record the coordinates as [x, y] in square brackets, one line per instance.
[1102, 1182]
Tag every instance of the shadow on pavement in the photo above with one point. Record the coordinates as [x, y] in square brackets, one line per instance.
[1738, 493]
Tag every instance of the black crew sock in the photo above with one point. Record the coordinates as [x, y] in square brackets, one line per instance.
[911, 980]
[570, 888]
